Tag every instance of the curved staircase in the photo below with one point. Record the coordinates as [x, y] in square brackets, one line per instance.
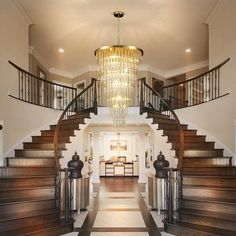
[28, 183]
[208, 204]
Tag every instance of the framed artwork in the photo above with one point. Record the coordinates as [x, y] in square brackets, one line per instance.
[118, 145]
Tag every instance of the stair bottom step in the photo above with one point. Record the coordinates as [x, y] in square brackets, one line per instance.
[53, 229]
[188, 229]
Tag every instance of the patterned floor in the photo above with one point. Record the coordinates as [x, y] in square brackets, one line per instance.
[116, 213]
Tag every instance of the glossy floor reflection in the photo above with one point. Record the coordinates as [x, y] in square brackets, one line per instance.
[119, 209]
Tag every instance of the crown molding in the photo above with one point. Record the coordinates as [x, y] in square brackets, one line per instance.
[21, 11]
[142, 67]
[217, 9]
[185, 69]
[38, 57]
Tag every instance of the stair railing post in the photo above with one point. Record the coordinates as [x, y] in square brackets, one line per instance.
[95, 104]
[169, 196]
[142, 96]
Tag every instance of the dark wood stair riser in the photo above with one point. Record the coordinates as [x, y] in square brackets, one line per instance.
[157, 115]
[15, 210]
[66, 126]
[207, 161]
[213, 206]
[27, 182]
[198, 145]
[171, 127]
[221, 181]
[17, 161]
[187, 139]
[34, 153]
[48, 139]
[178, 230]
[189, 191]
[163, 121]
[44, 146]
[203, 153]
[18, 223]
[27, 194]
[209, 171]
[27, 171]
[66, 133]
[79, 116]
[176, 132]
[208, 221]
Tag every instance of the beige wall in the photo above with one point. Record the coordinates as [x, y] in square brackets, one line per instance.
[19, 118]
[218, 117]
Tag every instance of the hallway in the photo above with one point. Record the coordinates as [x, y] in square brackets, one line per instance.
[118, 209]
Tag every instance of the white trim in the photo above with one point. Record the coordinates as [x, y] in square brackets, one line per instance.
[61, 73]
[209, 137]
[186, 69]
[27, 138]
[217, 9]
[38, 57]
[21, 11]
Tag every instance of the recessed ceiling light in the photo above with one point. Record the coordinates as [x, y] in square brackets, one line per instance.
[188, 50]
[61, 50]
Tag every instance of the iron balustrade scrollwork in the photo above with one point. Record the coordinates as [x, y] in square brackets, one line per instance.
[152, 101]
[197, 90]
[84, 102]
[37, 91]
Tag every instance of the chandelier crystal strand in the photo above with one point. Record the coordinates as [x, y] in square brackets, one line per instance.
[118, 71]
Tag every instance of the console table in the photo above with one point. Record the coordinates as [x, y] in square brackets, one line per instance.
[119, 169]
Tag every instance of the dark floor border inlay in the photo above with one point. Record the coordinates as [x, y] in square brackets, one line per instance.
[112, 229]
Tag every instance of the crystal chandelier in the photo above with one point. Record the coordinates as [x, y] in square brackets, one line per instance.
[118, 71]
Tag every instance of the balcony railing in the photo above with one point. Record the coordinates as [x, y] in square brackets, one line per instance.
[200, 89]
[35, 90]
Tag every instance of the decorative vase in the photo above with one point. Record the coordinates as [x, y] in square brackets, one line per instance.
[77, 166]
[159, 164]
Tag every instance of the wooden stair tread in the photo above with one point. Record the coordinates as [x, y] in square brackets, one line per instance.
[27, 214]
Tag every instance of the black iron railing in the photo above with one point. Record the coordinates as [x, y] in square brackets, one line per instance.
[200, 89]
[35, 90]
[152, 101]
[84, 102]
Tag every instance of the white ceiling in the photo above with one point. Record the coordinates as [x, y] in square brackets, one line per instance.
[162, 28]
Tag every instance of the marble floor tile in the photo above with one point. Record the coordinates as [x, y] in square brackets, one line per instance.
[118, 203]
[119, 219]
[119, 234]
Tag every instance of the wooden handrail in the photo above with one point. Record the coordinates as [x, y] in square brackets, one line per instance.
[64, 115]
[180, 129]
[38, 78]
[199, 76]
